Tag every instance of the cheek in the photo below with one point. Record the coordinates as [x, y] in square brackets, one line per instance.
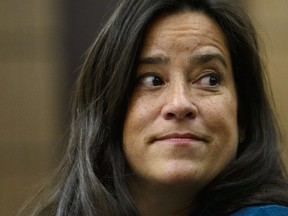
[140, 114]
[221, 111]
[135, 118]
[221, 120]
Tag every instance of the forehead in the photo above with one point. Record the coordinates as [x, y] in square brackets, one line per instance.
[188, 29]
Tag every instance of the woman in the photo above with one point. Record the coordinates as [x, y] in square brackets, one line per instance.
[171, 117]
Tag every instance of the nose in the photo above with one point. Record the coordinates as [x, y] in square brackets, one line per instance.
[179, 104]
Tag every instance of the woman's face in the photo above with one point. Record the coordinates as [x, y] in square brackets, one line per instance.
[181, 125]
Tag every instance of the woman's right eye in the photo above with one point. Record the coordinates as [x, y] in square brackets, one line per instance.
[150, 80]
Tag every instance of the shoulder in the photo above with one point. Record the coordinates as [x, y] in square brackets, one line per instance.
[265, 210]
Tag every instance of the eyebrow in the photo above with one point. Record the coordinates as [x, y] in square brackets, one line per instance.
[195, 59]
[204, 58]
[155, 59]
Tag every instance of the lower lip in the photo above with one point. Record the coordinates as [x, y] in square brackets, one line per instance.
[179, 141]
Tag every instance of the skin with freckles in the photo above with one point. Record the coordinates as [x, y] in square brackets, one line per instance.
[181, 127]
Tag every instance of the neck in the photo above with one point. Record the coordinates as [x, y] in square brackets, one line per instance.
[156, 200]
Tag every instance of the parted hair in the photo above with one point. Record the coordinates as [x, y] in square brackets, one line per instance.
[92, 178]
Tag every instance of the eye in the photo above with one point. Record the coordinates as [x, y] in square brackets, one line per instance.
[212, 79]
[150, 80]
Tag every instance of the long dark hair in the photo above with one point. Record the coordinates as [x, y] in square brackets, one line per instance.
[92, 177]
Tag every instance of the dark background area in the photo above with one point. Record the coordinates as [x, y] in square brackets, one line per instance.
[84, 21]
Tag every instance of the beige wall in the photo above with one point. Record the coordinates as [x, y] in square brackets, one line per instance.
[271, 20]
[32, 73]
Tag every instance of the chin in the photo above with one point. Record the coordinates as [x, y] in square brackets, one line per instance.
[181, 174]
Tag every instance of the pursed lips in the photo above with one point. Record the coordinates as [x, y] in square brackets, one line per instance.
[179, 138]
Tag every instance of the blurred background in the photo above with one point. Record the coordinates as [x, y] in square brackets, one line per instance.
[42, 46]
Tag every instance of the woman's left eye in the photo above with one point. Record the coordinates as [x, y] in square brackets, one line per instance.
[210, 80]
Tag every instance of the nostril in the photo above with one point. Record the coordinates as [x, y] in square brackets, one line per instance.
[183, 115]
[179, 115]
[190, 115]
[170, 115]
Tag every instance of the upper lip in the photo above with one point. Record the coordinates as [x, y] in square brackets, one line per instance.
[179, 135]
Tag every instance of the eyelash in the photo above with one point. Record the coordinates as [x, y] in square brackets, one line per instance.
[141, 79]
[219, 78]
[157, 78]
